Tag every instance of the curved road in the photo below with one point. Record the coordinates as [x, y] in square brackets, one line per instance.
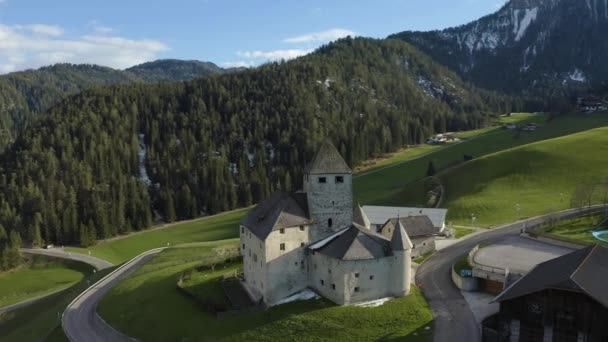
[80, 320]
[99, 264]
[454, 320]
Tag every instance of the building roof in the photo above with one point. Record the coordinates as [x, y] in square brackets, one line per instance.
[415, 226]
[354, 243]
[280, 210]
[327, 160]
[400, 241]
[583, 270]
[379, 215]
[360, 218]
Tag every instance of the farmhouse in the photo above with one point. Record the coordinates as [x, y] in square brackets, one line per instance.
[314, 239]
[378, 215]
[420, 230]
[563, 299]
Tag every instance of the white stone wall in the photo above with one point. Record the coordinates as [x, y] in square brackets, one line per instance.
[330, 200]
[254, 265]
[422, 245]
[376, 278]
[287, 271]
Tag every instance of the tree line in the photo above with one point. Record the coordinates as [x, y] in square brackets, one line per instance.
[223, 141]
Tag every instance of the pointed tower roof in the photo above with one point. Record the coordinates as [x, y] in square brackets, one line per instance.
[360, 218]
[400, 240]
[327, 160]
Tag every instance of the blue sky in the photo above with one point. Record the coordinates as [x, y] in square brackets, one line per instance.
[123, 33]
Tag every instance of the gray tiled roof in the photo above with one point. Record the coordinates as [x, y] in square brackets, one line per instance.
[415, 226]
[378, 215]
[360, 218]
[584, 270]
[356, 243]
[400, 241]
[280, 210]
[327, 160]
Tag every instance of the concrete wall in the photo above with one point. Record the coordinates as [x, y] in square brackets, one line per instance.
[329, 200]
[376, 278]
[287, 271]
[254, 265]
[465, 283]
[422, 245]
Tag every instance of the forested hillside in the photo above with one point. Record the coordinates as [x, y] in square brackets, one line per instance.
[27, 93]
[111, 160]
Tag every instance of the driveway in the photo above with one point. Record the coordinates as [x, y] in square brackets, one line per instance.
[518, 254]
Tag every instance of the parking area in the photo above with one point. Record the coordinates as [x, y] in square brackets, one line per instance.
[518, 253]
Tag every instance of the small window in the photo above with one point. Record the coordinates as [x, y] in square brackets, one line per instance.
[371, 277]
[301, 228]
[242, 230]
[356, 275]
[255, 257]
[322, 180]
[333, 286]
[301, 244]
[413, 246]
[356, 289]
[322, 282]
[330, 223]
[282, 246]
[282, 230]
[329, 270]
[339, 179]
[243, 246]
[424, 243]
[296, 263]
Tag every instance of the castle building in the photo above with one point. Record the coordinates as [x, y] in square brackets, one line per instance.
[314, 239]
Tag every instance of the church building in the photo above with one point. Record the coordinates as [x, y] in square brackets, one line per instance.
[316, 239]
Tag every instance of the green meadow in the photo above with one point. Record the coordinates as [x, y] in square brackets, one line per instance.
[39, 275]
[149, 297]
[395, 186]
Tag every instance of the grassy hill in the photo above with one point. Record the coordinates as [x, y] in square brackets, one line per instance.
[212, 228]
[524, 181]
[38, 276]
[398, 185]
[147, 297]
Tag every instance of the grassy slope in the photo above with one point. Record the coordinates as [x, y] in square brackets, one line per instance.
[576, 229]
[40, 275]
[539, 177]
[135, 305]
[37, 321]
[395, 186]
[212, 228]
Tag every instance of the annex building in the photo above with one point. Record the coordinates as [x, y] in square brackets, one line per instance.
[317, 239]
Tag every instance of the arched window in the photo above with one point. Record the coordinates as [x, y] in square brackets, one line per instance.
[330, 222]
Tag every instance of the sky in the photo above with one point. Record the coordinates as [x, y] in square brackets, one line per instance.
[120, 34]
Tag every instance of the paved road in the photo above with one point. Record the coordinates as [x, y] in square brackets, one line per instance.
[454, 320]
[57, 253]
[80, 320]
[100, 264]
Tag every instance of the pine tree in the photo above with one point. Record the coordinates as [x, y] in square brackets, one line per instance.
[430, 171]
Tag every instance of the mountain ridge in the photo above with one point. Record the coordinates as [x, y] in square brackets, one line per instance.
[530, 47]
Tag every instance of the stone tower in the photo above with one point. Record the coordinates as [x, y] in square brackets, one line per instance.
[329, 187]
[402, 252]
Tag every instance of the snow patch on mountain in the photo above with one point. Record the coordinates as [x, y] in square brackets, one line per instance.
[577, 76]
[522, 26]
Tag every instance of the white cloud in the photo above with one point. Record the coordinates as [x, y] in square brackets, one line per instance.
[323, 36]
[275, 54]
[46, 30]
[32, 46]
[238, 64]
